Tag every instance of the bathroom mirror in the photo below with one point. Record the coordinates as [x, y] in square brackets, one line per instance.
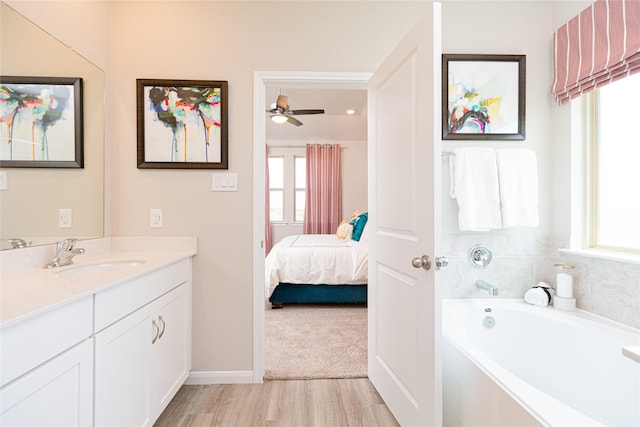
[31, 203]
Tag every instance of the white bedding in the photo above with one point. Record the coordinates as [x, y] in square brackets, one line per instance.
[316, 259]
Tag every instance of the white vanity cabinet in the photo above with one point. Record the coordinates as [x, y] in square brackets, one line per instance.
[47, 368]
[142, 346]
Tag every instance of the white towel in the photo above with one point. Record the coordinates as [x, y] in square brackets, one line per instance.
[518, 176]
[474, 184]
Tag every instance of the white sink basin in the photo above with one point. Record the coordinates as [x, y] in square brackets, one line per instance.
[101, 267]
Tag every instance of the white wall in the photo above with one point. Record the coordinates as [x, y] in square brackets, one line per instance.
[519, 254]
[225, 41]
[82, 25]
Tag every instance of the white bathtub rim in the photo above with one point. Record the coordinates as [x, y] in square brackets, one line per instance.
[547, 410]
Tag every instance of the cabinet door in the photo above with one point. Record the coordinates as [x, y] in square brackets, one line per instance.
[122, 371]
[171, 352]
[58, 393]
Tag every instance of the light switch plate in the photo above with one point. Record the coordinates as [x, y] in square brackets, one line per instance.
[4, 184]
[226, 181]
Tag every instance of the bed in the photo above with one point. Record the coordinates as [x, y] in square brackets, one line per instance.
[316, 268]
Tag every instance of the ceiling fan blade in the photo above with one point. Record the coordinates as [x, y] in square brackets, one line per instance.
[282, 102]
[301, 112]
[294, 121]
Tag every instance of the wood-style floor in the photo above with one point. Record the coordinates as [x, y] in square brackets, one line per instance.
[292, 403]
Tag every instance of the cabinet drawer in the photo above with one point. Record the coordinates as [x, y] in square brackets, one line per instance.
[117, 302]
[33, 341]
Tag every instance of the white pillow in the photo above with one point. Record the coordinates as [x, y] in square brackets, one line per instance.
[364, 237]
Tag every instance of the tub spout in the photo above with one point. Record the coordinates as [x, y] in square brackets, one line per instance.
[487, 286]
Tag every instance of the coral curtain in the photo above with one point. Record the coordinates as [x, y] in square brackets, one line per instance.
[267, 207]
[596, 47]
[324, 189]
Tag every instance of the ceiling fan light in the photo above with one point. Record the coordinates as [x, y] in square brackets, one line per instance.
[279, 119]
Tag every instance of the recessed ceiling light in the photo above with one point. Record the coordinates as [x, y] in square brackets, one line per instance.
[350, 111]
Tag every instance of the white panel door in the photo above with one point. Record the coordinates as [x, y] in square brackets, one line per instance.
[404, 155]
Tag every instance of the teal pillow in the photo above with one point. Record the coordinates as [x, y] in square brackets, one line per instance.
[358, 225]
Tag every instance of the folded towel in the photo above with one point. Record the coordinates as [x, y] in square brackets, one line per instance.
[539, 296]
[474, 184]
[518, 176]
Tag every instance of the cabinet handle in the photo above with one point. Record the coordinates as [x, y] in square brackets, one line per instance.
[156, 330]
[163, 327]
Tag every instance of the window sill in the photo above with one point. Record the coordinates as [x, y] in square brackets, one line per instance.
[598, 254]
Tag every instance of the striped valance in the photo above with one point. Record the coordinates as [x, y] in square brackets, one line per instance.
[600, 45]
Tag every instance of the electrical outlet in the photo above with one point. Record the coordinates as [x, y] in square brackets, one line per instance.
[64, 218]
[155, 218]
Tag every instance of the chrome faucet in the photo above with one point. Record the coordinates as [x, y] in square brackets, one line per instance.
[487, 286]
[17, 243]
[65, 251]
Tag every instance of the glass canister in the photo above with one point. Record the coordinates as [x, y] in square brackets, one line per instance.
[564, 280]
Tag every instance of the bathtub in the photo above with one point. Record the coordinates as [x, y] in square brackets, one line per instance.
[508, 363]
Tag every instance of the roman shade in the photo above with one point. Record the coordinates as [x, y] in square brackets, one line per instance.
[596, 47]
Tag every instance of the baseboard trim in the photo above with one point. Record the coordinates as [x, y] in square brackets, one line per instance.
[219, 377]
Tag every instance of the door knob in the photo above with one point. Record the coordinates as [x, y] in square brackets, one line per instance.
[422, 262]
[441, 262]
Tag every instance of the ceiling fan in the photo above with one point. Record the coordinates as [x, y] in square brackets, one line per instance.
[281, 113]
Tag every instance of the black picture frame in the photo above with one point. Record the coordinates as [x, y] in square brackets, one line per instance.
[483, 97]
[42, 122]
[182, 124]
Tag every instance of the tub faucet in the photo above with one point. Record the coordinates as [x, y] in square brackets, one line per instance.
[487, 286]
[65, 251]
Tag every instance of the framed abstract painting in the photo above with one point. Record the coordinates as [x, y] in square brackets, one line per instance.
[182, 124]
[483, 97]
[42, 122]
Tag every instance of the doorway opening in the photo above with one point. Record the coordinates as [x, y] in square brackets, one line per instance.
[266, 83]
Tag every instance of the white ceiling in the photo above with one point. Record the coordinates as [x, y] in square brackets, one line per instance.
[334, 125]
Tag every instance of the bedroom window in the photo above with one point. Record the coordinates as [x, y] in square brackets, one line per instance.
[276, 188]
[287, 185]
[300, 171]
[613, 169]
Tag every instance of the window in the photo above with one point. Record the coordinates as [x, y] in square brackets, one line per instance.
[287, 184]
[276, 188]
[614, 167]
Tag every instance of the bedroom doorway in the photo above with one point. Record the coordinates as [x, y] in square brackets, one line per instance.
[265, 83]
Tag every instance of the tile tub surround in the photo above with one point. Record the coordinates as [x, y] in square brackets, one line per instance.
[607, 288]
[518, 263]
[521, 259]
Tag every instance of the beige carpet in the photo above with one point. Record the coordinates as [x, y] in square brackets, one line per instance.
[316, 341]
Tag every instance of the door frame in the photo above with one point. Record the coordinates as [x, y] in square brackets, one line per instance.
[262, 79]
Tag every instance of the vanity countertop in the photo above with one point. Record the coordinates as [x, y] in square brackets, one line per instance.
[29, 292]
